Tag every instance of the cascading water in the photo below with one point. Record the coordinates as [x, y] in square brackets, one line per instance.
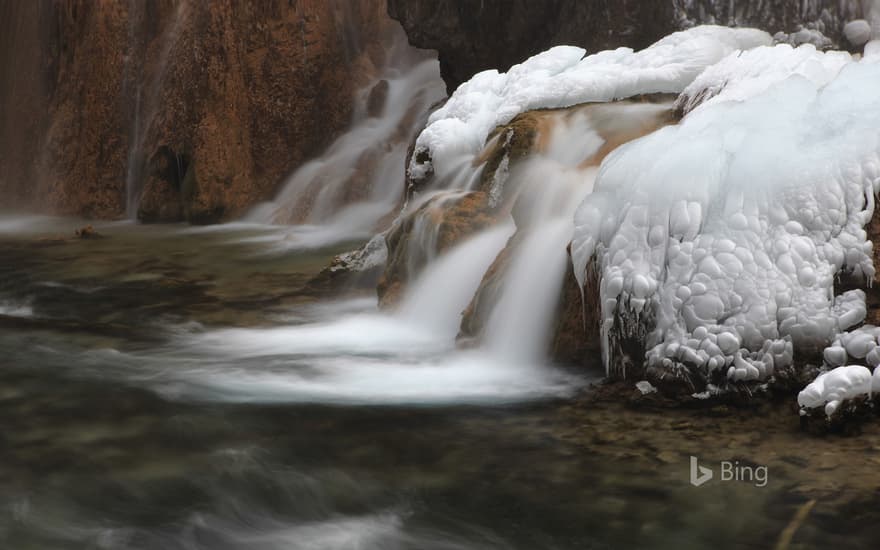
[543, 192]
[357, 182]
[438, 297]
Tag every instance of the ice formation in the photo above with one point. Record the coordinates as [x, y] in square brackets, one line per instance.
[830, 389]
[730, 227]
[742, 75]
[858, 32]
[562, 77]
[858, 344]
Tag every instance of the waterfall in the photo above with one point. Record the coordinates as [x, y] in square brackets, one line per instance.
[544, 189]
[358, 181]
[438, 297]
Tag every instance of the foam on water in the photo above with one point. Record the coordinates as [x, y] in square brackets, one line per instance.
[15, 309]
[358, 359]
[445, 379]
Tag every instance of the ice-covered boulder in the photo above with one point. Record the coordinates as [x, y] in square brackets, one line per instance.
[830, 389]
[722, 236]
[840, 400]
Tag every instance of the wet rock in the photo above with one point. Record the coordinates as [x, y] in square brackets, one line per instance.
[87, 232]
[476, 314]
[376, 99]
[427, 232]
[353, 271]
[575, 338]
[847, 419]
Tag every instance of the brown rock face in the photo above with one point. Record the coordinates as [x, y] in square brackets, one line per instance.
[475, 35]
[201, 107]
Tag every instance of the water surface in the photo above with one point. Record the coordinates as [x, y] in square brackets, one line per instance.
[166, 387]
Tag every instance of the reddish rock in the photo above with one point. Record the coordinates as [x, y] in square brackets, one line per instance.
[245, 92]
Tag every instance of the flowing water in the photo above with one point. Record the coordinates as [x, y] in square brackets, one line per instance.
[169, 387]
[357, 182]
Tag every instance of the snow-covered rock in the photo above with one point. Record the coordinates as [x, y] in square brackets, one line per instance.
[737, 220]
[830, 389]
[742, 75]
[562, 76]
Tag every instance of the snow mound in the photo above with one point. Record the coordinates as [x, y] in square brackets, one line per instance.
[562, 77]
[731, 226]
[830, 389]
[742, 75]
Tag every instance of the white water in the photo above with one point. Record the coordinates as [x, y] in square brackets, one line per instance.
[520, 323]
[437, 299]
[359, 358]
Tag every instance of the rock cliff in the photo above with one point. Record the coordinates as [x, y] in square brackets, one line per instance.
[200, 109]
[475, 35]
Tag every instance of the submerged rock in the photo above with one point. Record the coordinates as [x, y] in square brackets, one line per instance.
[87, 232]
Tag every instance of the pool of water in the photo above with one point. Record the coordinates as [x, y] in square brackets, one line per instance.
[165, 387]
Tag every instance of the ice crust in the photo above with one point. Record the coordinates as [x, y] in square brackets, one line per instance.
[731, 226]
[561, 77]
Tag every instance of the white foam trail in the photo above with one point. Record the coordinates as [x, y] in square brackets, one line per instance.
[11, 309]
[437, 299]
[364, 359]
[453, 378]
[345, 533]
[359, 334]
